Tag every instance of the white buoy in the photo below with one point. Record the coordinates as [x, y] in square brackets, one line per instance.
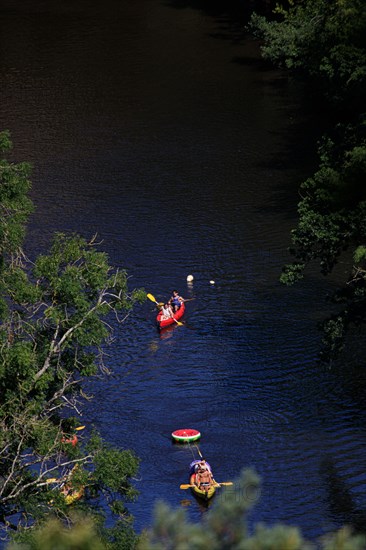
[212, 282]
[190, 278]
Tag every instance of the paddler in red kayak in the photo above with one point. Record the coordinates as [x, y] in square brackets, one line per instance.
[176, 301]
[166, 311]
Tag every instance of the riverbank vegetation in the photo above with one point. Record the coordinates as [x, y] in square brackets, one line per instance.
[55, 317]
[224, 527]
[324, 43]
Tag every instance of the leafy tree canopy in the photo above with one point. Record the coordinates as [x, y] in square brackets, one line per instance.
[57, 315]
[332, 219]
[224, 527]
[326, 40]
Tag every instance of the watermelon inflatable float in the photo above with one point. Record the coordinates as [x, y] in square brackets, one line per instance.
[186, 435]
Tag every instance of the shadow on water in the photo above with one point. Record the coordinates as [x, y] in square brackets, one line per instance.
[218, 7]
[342, 502]
[232, 15]
[299, 148]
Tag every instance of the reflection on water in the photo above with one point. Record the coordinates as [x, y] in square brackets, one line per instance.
[177, 147]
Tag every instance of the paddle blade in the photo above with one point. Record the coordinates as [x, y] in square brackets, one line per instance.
[151, 297]
[80, 428]
[187, 485]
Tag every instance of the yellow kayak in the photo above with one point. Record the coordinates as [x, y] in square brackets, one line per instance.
[73, 495]
[70, 493]
[203, 494]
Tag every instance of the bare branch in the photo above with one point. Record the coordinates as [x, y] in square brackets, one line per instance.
[36, 482]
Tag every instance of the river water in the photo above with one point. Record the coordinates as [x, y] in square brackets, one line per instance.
[155, 124]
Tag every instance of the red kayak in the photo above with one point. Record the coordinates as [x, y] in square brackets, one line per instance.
[162, 323]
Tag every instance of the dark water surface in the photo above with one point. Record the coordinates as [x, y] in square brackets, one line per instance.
[156, 125]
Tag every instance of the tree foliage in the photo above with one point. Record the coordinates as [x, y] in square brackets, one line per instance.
[224, 527]
[56, 536]
[57, 315]
[326, 41]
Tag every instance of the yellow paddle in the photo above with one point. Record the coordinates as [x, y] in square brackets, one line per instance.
[160, 304]
[188, 485]
[152, 298]
[79, 428]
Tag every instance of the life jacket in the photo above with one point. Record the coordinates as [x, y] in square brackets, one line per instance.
[192, 467]
[176, 301]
